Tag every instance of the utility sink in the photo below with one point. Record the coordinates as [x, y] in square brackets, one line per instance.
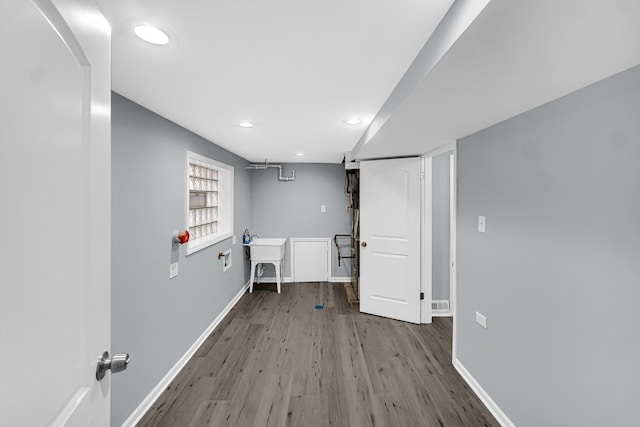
[267, 250]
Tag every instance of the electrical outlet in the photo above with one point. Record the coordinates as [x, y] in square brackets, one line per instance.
[482, 321]
[323, 208]
[233, 240]
[482, 224]
[173, 270]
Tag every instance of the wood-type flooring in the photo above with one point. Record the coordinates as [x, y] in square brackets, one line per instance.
[275, 360]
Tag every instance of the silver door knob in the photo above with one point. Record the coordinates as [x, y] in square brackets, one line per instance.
[363, 244]
[117, 363]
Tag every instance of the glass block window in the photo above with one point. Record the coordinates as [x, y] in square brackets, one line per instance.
[203, 200]
[209, 201]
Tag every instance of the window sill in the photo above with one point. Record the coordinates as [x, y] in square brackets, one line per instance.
[197, 245]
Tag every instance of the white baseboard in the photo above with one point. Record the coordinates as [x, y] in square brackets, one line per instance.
[290, 280]
[441, 313]
[492, 406]
[266, 279]
[148, 401]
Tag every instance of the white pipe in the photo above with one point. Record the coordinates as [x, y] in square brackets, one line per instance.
[280, 176]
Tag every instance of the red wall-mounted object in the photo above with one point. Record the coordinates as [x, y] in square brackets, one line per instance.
[182, 237]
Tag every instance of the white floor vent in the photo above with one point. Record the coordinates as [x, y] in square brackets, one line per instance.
[440, 305]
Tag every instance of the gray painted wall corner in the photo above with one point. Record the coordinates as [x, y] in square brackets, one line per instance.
[154, 318]
[292, 209]
[559, 187]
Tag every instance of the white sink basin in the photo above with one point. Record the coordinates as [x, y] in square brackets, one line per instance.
[267, 250]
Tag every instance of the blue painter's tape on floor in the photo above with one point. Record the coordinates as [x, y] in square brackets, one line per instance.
[319, 307]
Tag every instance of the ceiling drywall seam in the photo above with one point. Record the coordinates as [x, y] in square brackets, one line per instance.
[458, 18]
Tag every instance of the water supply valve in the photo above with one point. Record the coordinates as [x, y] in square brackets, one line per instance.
[181, 237]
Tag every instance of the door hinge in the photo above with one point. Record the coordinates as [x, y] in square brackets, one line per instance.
[421, 295]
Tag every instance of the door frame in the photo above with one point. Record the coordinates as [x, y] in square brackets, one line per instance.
[426, 239]
[427, 235]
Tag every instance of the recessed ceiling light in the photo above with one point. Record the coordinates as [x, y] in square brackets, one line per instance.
[300, 154]
[352, 121]
[151, 34]
[245, 124]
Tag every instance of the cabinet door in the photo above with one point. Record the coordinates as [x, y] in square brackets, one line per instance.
[311, 260]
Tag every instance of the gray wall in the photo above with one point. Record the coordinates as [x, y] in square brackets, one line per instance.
[557, 271]
[292, 209]
[441, 243]
[153, 318]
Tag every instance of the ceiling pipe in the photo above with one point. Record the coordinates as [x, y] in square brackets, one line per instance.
[267, 165]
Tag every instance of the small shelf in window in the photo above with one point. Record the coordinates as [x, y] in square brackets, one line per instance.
[197, 200]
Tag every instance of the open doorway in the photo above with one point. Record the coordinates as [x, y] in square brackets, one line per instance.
[439, 231]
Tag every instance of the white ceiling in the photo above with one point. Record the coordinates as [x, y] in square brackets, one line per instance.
[515, 56]
[296, 69]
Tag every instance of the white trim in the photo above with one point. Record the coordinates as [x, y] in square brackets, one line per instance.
[148, 401]
[290, 280]
[453, 277]
[271, 279]
[452, 224]
[294, 240]
[71, 407]
[426, 239]
[491, 405]
[226, 202]
[442, 313]
[447, 146]
[427, 230]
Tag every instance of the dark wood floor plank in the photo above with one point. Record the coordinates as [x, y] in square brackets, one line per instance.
[274, 404]
[375, 336]
[306, 411]
[307, 381]
[186, 407]
[171, 395]
[222, 336]
[276, 360]
[330, 389]
[358, 389]
[232, 364]
[394, 410]
[210, 413]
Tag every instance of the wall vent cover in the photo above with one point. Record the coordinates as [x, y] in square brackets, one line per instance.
[441, 305]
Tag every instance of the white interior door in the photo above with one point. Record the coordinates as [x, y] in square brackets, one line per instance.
[390, 238]
[55, 212]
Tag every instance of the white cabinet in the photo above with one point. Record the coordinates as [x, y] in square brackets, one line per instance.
[310, 259]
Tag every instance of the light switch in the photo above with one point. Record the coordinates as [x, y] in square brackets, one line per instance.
[323, 208]
[173, 270]
[482, 224]
[482, 321]
[233, 239]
